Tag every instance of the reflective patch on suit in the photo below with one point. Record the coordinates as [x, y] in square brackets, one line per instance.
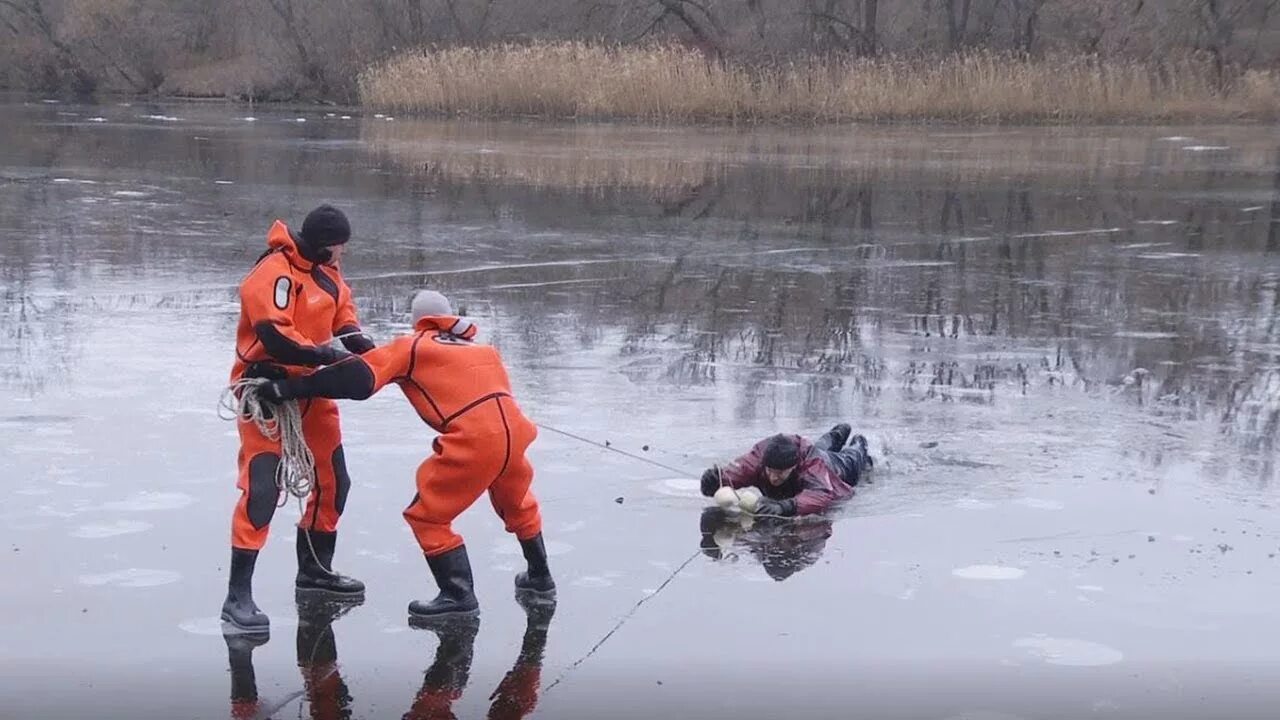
[284, 288]
[263, 492]
[451, 339]
[341, 478]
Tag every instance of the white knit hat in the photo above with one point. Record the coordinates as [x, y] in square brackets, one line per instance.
[429, 302]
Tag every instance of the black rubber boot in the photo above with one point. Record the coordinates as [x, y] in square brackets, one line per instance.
[319, 577]
[838, 436]
[326, 691]
[450, 671]
[452, 571]
[861, 442]
[239, 609]
[244, 682]
[517, 693]
[538, 613]
[315, 639]
[538, 578]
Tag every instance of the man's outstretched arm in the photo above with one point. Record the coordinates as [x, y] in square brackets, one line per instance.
[354, 378]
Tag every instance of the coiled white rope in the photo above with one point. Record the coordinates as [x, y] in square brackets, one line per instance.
[296, 473]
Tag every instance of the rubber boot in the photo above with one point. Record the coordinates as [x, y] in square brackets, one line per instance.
[517, 695]
[861, 442]
[538, 614]
[452, 571]
[326, 691]
[446, 679]
[538, 577]
[239, 609]
[315, 572]
[315, 638]
[244, 683]
[840, 436]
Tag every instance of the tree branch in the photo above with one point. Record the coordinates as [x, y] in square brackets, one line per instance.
[676, 7]
[715, 24]
[484, 18]
[457, 19]
[656, 21]
[832, 19]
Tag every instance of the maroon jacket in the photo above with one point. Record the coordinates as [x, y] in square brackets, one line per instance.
[814, 484]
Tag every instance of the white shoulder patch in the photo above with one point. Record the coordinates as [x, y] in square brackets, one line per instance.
[284, 288]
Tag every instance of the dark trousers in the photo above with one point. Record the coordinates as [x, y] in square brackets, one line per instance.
[847, 461]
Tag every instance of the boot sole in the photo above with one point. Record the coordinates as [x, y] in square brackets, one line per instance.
[420, 618]
[310, 591]
[248, 629]
[542, 592]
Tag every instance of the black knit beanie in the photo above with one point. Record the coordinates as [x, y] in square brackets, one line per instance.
[781, 453]
[324, 227]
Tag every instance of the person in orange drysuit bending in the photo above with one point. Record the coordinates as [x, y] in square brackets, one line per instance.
[292, 304]
[461, 389]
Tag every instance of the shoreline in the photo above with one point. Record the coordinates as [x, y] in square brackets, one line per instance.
[631, 121]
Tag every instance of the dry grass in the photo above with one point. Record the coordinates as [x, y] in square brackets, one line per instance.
[666, 84]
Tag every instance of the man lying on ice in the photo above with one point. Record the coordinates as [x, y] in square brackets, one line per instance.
[794, 475]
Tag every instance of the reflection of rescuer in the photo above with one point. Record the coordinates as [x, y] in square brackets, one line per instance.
[327, 694]
[445, 681]
[292, 304]
[461, 389]
[794, 475]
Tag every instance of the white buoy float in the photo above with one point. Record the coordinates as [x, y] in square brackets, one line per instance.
[746, 499]
[726, 498]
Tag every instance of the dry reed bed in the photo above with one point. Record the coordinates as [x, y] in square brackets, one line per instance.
[671, 84]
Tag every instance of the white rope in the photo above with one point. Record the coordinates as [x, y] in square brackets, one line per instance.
[296, 474]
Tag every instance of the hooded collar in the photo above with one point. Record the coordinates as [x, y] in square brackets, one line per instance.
[450, 324]
[280, 238]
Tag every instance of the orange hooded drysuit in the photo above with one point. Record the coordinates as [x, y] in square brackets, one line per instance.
[290, 310]
[461, 389]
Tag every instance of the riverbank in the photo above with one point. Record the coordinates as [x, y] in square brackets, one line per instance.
[666, 84]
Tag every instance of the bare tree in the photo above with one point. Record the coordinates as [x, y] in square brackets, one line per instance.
[286, 11]
[32, 14]
[957, 22]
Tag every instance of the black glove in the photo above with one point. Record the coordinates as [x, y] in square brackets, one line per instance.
[780, 508]
[331, 355]
[273, 392]
[268, 370]
[710, 481]
[356, 340]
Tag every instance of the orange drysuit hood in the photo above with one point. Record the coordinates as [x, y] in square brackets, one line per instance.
[280, 238]
[451, 324]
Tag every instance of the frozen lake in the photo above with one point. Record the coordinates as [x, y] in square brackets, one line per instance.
[1062, 344]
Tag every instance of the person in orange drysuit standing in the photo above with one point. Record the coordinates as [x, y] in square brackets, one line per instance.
[461, 389]
[292, 304]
